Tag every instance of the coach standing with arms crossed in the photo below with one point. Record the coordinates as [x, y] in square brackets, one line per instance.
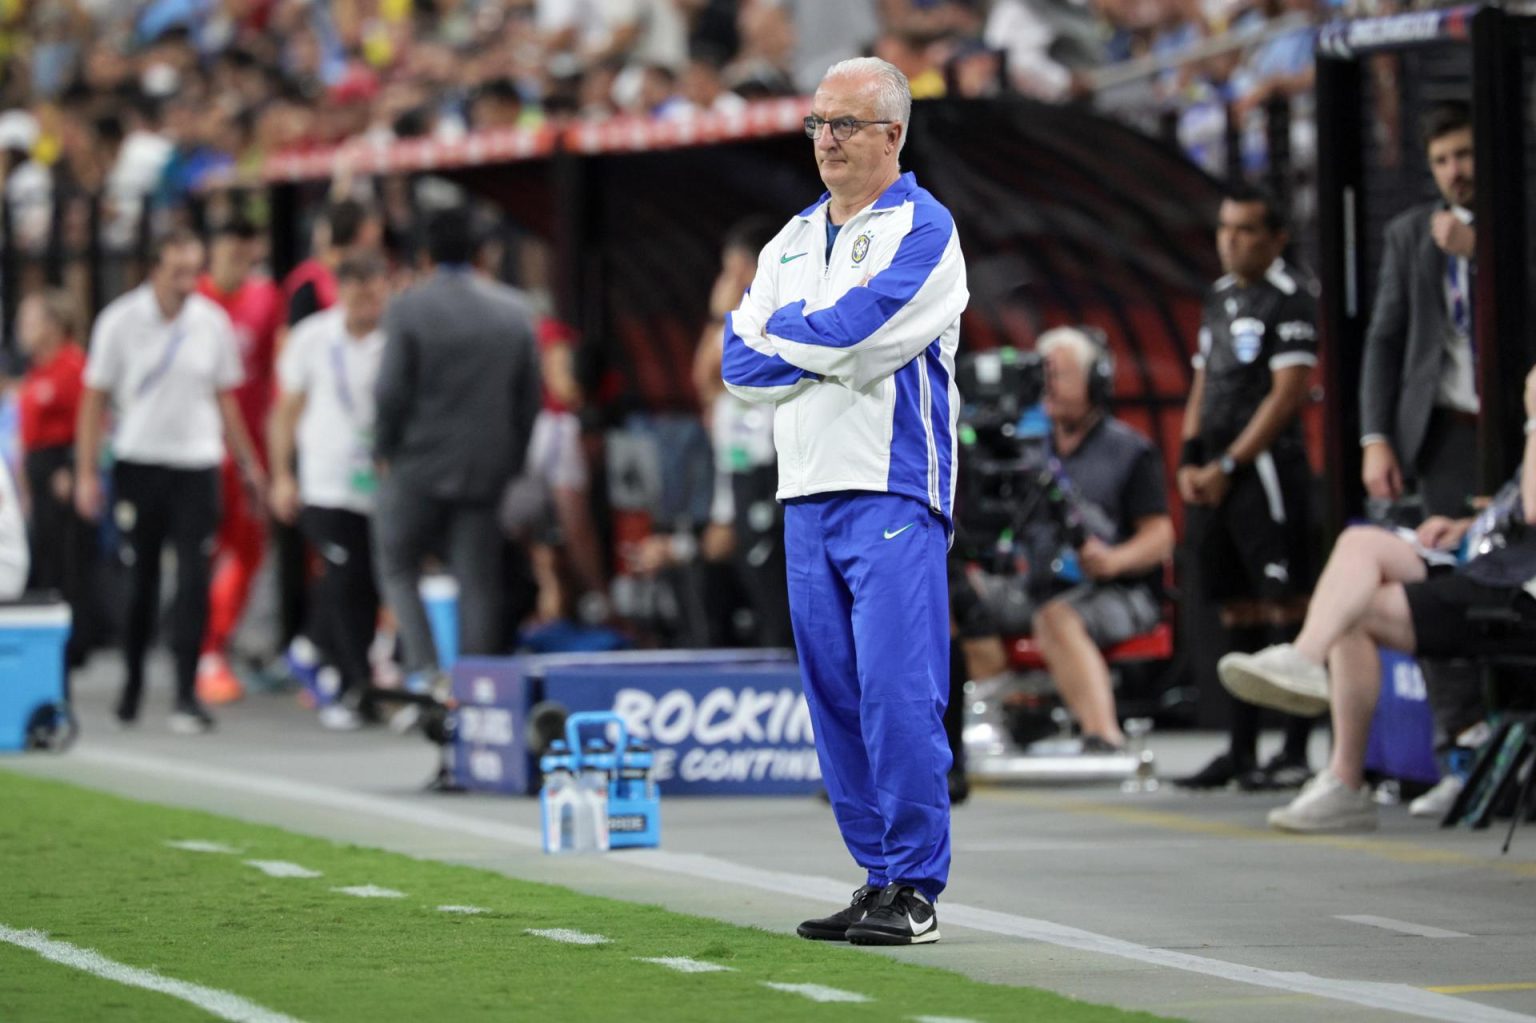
[850, 329]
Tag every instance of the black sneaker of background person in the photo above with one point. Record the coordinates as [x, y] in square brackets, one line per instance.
[1098, 746]
[126, 715]
[1217, 774]
[835, 927]
[902, 917]
[189, 718]
[1279, 772]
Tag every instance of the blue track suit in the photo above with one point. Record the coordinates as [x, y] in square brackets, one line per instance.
[854, 344]
[870, 603]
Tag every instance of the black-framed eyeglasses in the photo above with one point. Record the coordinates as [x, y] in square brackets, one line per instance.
[843, 128]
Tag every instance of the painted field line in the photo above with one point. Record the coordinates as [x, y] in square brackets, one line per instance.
[941, 1019]
[463, 910]
[369, 891]
[818, 992]
[566, 937]
[199, 846]
[682, 964]
[1399, 998]
[282, 868]
[218, 1003]
[1483, 989]
[1386, 923]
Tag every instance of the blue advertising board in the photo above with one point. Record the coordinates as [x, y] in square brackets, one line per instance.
[490, 745]
[1402, 743]
[716, 729]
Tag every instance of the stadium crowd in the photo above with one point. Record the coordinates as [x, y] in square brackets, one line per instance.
[305, 431]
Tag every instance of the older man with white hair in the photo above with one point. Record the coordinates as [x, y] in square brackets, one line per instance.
[850, 330]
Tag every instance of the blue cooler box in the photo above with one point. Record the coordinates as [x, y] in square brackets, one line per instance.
[32, 638]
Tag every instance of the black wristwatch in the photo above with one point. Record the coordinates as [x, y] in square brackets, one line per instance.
[1226, 463]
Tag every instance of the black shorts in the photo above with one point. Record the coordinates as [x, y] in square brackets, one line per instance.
[1256, 544]
[1439, 608]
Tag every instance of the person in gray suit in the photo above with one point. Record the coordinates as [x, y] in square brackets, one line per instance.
[1418, 383]
[1418, 388]
[457, 392]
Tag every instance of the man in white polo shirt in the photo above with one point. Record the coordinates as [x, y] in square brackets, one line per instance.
[326, 378]
[167, 360]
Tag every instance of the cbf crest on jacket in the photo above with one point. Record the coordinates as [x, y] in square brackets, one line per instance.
[856, 348]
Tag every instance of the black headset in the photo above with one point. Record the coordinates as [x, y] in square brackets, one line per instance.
[1101, 373]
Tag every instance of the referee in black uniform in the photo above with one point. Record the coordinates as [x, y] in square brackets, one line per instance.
[1243, 471]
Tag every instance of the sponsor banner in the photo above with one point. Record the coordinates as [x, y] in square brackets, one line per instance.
[1352, 38]
[490, 745]
[715, 729]
[1402, 743]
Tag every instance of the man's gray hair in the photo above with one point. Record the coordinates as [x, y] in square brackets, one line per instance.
[893, 95]
[1084, 349]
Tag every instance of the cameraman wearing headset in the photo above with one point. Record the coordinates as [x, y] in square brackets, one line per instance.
[1116, 480]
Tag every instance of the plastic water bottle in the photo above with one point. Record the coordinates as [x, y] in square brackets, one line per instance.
[591, 833]
[561, 810]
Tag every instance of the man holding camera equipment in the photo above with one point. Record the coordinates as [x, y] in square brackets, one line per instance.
[1098, 485]
[1243, 470]
[850, 330]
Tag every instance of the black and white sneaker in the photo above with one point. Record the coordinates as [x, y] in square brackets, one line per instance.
[189, 718]
[903, 916]
[835, 927]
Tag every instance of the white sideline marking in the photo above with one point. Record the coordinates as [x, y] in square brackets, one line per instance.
[817, 992]
[463, 910]
[218, 1003]
[198, 845]
[569, 937]
[1388, 924]
[369, 891]
[941, 1019]
[281, 868]
[682, 964]
[1400, 998]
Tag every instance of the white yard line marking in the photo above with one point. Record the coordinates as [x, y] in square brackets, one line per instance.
[463, 910]
[818, 992]
[218, 1003]
[281, 868]
[369, 891]
[1403, 926]
[1400, 998]
[198, 845]
[564, 936]
[682, 964]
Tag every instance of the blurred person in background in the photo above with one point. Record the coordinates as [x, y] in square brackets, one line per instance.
[63, 548]
[457, 393]
[166, 360]
[325, 417]
[255, 309]
[1243, 471]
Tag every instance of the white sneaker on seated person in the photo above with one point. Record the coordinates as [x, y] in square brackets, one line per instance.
[1437, 801]
[1326, 804]
[1280, 677]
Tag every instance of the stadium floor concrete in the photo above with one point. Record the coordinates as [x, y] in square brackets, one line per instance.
[1147, 901]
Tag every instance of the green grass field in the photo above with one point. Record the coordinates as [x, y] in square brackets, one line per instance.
[96, 871]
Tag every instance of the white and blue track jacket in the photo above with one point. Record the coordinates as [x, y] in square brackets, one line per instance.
[857, 351]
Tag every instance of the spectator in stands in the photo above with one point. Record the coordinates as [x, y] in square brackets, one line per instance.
[1243, 471]
[1376, 591]
[1418, 380]
[458, 391]
[866, 435]
[325, 416]
[167, 360]
[1117, 475]
[255, 309]
[704, 89]
[62, 551]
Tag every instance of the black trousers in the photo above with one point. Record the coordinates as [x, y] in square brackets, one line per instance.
[64, 551]
[154, 505]
[344, 599]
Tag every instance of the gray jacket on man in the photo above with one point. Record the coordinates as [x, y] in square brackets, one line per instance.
[459, 386]
[1405, 345]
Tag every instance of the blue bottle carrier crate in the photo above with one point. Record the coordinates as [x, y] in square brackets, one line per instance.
[32, 638]
[634, 805]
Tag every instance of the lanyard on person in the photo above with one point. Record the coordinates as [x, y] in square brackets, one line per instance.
[167, 357]
[1461, 302]
[343, 386]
